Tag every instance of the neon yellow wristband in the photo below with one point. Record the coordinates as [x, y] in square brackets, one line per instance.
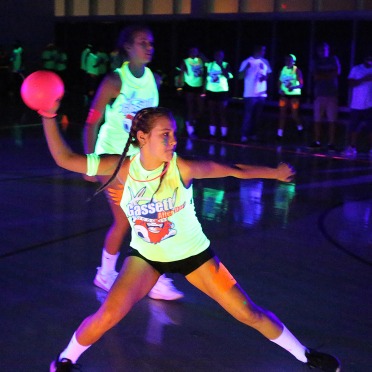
[93, 161]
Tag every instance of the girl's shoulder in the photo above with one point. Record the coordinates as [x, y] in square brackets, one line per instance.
[111, 84]
[185, 170]
[184, 165]
[112, 78]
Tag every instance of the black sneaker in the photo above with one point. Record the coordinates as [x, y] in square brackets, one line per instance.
[322, 361]
[64, 365]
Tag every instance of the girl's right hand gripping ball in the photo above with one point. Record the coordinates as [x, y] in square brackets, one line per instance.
[41, 91]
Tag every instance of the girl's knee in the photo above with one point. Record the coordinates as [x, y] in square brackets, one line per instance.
[107, 318]
[251, 314]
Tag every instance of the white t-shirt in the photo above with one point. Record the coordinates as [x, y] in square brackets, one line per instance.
[253, 87]
[361, 97]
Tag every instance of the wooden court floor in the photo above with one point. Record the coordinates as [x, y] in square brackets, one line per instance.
[302, 250]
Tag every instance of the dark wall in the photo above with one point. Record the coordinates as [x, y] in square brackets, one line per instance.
[29, 21]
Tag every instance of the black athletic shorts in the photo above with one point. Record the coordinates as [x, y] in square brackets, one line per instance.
[188, 88]
[217, 96]
[184, 267]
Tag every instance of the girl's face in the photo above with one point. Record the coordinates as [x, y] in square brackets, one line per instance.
[142, 49]
[161, 141]
[289, 61]
[323, 50]
[194, 53]
[219, 56]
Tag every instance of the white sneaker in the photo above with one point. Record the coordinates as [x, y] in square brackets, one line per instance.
[165, 290]
[105, 281]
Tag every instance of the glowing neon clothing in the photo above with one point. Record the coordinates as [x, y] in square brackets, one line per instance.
[61, 62]
[195, 71]
[288, 78]
[216, 80]
[164, 226]
[92, 64]
[361, 97]
[135, 94]
[84, 57]
[253, 86]
[49, 58]
[103, 60]
[16, 59]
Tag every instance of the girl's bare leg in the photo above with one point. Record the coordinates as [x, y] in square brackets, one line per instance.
[134, 281]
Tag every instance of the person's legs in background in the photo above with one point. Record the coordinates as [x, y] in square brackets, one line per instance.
[224, 125]
[318, 108]
[247, 118]
[259, 103]
[190, 116]
[332, 112]
[295, 108]
[213, 117]
[283, 107]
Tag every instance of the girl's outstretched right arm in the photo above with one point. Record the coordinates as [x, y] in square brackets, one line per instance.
[66, 158]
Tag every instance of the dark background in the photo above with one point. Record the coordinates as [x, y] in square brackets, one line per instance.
[348, 33]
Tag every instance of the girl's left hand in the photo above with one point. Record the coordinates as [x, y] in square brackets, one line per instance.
[286, 173]
[52, 111]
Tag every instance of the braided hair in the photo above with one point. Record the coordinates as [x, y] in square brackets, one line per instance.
[144, 121]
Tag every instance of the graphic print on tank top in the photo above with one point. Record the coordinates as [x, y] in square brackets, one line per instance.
[150, 217]
[131, 106]
[197, 70]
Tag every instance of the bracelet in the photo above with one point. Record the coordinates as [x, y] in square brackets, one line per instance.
[93, 116]
[48, 117]
[93, 161]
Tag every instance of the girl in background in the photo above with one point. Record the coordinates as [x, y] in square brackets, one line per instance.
[120, 95]
[193, 73]
[217, 92]
[290, 84]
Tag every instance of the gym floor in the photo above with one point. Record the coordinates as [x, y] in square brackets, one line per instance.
[301, 250]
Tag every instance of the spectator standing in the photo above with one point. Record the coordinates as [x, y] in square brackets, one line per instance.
[16, 77]
[83, 67]
[84, 57]
[255, 71]
[325, 69]
[92, 70]
[290, 85]
[103, 62]
[16, 59]
[193, 73]
[218, 74]
[49, 57]
[360, 82]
